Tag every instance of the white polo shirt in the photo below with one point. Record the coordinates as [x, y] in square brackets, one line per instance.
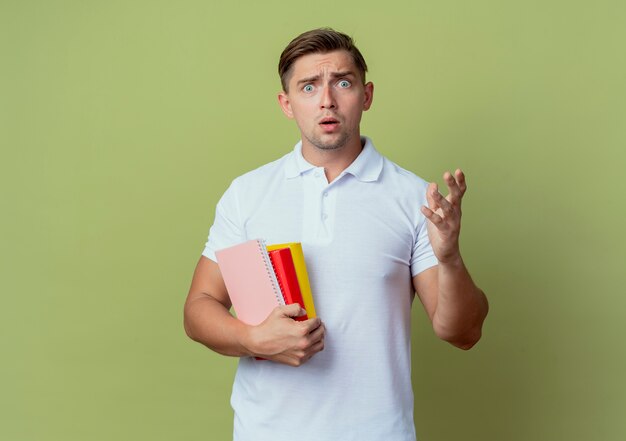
[363, 237]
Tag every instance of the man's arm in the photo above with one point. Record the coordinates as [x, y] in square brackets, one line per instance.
[279, 338]
[456, 306]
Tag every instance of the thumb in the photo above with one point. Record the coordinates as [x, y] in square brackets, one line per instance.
[293, 310]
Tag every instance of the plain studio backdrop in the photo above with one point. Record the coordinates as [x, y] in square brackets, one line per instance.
[122, 122]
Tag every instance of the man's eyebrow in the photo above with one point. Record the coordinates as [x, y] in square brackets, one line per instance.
[346, 73]
[333, 75]
[308, 80]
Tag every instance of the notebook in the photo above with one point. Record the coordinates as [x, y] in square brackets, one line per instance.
[250, 280]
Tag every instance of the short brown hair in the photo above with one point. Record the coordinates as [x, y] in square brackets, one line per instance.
[320, 40]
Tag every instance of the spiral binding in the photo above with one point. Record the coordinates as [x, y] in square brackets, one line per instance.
[269, 267]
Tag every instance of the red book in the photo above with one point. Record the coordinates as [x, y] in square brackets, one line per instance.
[287, 278]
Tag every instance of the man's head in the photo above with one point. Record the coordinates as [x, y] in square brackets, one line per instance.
[321, 40]
[324, 89]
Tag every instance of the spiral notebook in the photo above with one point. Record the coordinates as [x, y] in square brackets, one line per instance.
[250, 280]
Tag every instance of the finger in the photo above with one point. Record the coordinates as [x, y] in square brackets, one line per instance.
[312, 350]
[440, 201]
[317, 334]
[317, 347]
[454, 191]
[460, 179]
[431, 196]
[444, 203]
[433, 217]
[291, 360]
[311, 325]
[436, 200]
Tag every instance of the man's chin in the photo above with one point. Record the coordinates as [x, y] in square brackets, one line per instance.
[330, 142]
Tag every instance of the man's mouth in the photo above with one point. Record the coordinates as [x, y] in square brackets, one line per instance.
[329, 123]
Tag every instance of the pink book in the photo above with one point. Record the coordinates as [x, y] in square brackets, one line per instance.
[250, 280]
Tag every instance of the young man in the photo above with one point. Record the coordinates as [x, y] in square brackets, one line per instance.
[373, 235]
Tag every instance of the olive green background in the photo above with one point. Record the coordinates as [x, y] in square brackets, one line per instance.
[122, 122]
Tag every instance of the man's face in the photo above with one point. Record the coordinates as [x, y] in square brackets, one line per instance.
[326, 98]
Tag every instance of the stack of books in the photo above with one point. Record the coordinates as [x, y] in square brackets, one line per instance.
[259, 278]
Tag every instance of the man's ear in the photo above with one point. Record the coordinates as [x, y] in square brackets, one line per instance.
[285, 104]
[369, 95]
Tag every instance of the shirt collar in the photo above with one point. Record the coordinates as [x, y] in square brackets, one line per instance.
[366, 167]
[296, 164]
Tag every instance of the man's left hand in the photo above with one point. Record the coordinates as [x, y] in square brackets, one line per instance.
[444, 214]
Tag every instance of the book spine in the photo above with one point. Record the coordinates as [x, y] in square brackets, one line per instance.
[303, 278]
[287, 278]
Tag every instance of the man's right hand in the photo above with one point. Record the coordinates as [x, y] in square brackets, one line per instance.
[282, 339]
[279, 338]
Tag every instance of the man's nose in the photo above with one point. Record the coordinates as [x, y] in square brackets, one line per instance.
[327, 98]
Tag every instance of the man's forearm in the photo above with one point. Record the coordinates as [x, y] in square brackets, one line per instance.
[461, 306]
[207, 321]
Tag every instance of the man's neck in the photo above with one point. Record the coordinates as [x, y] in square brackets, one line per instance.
[334, 161]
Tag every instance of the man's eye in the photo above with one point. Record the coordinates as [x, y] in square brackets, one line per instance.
[308, 88]
[344, 83]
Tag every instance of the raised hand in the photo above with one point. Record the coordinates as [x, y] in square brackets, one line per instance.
[444, 215]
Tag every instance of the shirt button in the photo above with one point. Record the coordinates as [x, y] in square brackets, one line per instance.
[325, 194]
[316, 174]
[324, 216]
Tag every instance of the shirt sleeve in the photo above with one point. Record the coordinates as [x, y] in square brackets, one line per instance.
[422, 256]
[227, 229]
